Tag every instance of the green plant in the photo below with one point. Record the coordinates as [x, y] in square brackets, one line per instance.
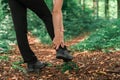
[4, 58]
[7, 35]
[68, 66]
[104, 39]
[17, 65]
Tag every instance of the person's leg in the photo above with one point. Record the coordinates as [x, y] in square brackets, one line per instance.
[18, 12]
[41, 9]
[43, 12]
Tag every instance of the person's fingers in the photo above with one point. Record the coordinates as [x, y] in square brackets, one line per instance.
[57, 42]
[57, 47]
[54, 46]
[62, 44]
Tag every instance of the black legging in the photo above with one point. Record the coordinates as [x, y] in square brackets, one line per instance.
[18, 11]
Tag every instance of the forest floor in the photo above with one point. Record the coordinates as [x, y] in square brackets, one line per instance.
[92, 65]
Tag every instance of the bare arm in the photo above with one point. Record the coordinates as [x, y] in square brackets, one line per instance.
[58, 23]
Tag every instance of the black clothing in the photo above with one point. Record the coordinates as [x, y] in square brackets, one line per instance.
[19, 13]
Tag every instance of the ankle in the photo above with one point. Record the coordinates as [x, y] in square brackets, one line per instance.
[63, 48]
[33, 62]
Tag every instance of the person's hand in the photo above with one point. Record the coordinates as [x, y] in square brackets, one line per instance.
[58, 40]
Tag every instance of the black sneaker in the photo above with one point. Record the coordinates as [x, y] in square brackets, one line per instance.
[36, 67]
[63, 53]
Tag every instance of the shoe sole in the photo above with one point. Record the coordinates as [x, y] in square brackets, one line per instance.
[64, 59]
[37, 70]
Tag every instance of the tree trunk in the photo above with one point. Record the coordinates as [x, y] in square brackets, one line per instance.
[94, 7]
[83, 5]
[118, 8]
[106, 8]
[80, 2]
[97, 12]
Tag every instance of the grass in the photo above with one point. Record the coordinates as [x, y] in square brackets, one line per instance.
[17, 65]
[4, 58]
[103, 39]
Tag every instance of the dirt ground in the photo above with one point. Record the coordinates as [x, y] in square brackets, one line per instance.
[92, 65]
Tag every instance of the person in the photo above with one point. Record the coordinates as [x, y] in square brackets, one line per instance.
[18, 10]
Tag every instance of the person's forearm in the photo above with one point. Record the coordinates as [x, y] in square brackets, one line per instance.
[57, 22]
[57, 16]
[58, 30]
